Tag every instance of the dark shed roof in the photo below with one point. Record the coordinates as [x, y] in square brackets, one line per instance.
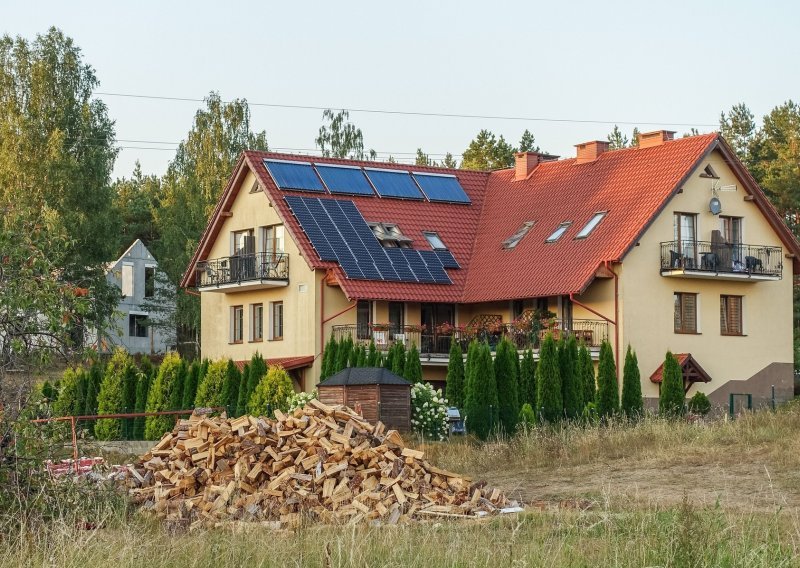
[364, 376]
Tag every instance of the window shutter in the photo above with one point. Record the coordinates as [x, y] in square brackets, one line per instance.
[690, 313]
[232, 326]
[271, 318]
[251, 323]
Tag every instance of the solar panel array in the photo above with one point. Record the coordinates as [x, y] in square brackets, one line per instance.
[353, 180]
[339, 233]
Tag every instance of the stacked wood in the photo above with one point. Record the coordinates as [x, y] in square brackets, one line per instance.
[320, 463]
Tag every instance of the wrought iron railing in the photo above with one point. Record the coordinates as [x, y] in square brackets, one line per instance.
[243, 268]
[706, 256]
[529, 336]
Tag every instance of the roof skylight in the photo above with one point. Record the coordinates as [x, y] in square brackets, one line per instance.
[434, 240]
[590, 226]
[514, 239]
[559, 232]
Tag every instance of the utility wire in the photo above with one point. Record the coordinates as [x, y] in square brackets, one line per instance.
[419, 113]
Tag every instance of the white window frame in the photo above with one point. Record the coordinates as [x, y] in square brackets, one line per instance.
[271, 318]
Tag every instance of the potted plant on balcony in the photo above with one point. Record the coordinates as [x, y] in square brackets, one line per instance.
[380, 327]
[415, 328]
[380, 333]
[445, 329]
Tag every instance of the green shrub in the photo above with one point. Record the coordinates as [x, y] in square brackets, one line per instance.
[190, 388]
[300, 399]
[632, 403]
[481, 408]
[273, 391]
[67, 403]
[343, 352]
[469, 366]
[399, 359]
[455, 376]
[230, 391]
[671, 397]
[699, 404]
[372, 355]
[120, 372]
[527, 417]
[607, 386]
[549, 399]
[142, 388]
[527, 379]
[413, 369]
[571, 385]
[586, 369]
[93, 381]
[160, 395]
[505, 373]
[177, 392]
[428, 412]
[242, 397]
[211, 392]
[258, 368]
[328, 359]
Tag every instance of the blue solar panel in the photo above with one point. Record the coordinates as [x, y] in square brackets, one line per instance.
[393, 183]
[418, 265]
[434, 266]
[345, 180]
[294, 175]
[400, 264]
[299, 206]
[447, 259]
[441, 188]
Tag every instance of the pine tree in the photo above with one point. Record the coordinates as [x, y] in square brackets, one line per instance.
[454, 388]
[571, 386]
[241, 400]
[111, 398]
[607, 387]
[413, 369]
[505, 372]
[527, 379]
[632, 404]
[586, 368]
[549, 401]
[160, 396]
[190, 388]
[372, 355]
[481, 408]
[230, 393]
[671, 398]
[399, 359]
[212, 391]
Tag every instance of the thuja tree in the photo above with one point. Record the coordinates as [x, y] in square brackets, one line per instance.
[190, 387]
[413, 369]
[571, 387]
[399, 359]
[527, 379]
[481, 406]
[177, 392]
[549, 402]
[120, 371]
[343, 352]
[588, 381]
[230, 391]
[671, 397]
[241, 400]
[68, 403]
[272, 392]
[469, 367]
[455, 376]
[505, 372]
[160, 395]
[372, 355]
[211, 392]
[607, 387]
[632, 404]
[258, 368]
[142, 388]
[93, 382]
[329, 358]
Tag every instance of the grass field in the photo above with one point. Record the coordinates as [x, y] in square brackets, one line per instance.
[653, 494]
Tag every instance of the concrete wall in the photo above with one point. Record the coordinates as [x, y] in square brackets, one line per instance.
[647, 307]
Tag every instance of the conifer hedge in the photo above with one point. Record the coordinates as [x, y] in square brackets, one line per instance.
[505, 372]
[607, 386]
[413, 368]
[671, 398]
[160, 397]
[481, 408]
[527, 379]
[454, 388]
[588, 380]
[211, 391]
[571, 385]
[632, 403]
[549, 401]
[111, 399]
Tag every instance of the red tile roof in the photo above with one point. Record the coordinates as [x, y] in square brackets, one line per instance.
[632, 185]
[689, 366]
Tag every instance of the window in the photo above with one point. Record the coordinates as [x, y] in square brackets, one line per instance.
[396, 318]
[514, 239]
[363, 319]
[590, 226]
[149, 281]
[559, 232]
[237, 324]
[272, 239]
[256, 322]
[685, 312]
[517, 307]
[435, 240]
[685, 233]
[276, 321]
[244, 243]
[730, 315]
[127, 280]
[390, 235]
[731, 228]
[137, 325]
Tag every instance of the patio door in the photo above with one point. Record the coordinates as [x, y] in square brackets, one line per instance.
[685, 232]
[434, 315]
[731, 228]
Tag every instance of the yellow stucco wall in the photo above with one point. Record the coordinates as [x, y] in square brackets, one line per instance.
[646, 297]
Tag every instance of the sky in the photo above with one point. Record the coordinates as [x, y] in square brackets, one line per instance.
[654, 65]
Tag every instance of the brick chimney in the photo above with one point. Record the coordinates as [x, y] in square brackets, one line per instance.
[589, 151]
[655, 138]
[525, 163]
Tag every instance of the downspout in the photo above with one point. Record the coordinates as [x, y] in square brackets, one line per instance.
[609, 320]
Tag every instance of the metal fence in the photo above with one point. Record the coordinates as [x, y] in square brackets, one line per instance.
[706, 256]
[243, 268]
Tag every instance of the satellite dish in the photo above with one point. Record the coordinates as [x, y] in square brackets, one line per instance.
[715, 206]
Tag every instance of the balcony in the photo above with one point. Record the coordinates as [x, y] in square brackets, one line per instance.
[718, 260]
[435, 346]
[243, 272]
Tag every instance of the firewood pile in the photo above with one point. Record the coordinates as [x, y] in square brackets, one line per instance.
[320, 463]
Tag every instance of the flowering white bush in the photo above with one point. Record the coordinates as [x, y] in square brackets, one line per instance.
[428, 411]
[300, 399]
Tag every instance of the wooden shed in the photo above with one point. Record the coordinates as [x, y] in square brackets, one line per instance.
[381, 394]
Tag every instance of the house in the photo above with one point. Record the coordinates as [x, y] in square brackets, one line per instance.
[135, 274]
[668, 245]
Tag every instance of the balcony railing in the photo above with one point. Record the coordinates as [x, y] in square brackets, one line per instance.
[243, 268]
[725, 258]
[591, 332]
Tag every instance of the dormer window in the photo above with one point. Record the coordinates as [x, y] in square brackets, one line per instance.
[559, 232]
[590, 226]
[709, 172]
[390, 236]
[435, 241]
[514, 239]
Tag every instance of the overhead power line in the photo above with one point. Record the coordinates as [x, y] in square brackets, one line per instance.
[420, 113]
